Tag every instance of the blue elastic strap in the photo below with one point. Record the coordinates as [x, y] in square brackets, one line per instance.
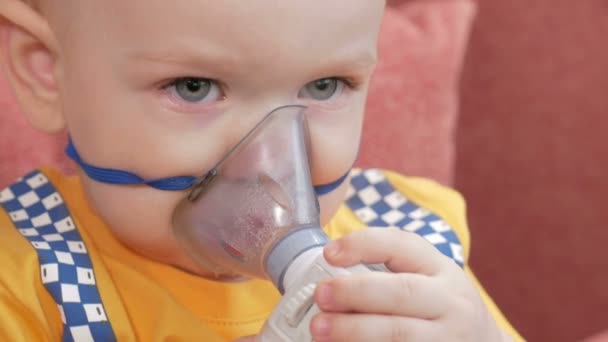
[113, 176]
[120, 177]
[321, 190]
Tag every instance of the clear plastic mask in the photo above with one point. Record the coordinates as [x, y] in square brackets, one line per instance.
[257, 194]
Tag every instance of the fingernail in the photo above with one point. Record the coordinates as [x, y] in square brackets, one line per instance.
[324, 296]
[332, 249]
[320, 329]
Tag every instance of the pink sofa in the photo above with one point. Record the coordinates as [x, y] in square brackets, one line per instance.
[532, 161]
[601, 337]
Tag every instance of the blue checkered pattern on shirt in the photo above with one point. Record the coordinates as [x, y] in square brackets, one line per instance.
[39, 213]
[377, 203]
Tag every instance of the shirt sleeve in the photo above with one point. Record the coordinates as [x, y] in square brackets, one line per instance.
[18, 322]
[24, 303]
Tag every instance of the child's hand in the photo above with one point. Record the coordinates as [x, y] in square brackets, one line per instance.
[427, 298]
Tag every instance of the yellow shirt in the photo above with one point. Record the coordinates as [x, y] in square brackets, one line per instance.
[149, 301]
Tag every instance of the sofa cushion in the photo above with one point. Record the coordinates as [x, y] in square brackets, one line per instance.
[413, 104]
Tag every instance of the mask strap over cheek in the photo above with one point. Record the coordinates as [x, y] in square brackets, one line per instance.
[120, 177]
[179, 183]
[321, 190]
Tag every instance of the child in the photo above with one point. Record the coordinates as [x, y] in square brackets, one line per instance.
[154, 89]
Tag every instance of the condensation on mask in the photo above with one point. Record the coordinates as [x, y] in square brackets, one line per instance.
[256, 210]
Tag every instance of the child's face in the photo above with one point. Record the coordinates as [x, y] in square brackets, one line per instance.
[127, 105]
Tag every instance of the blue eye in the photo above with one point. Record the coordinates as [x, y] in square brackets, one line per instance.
[196, 90]
[322, 89]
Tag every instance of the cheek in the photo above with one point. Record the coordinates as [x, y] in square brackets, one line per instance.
[117, 125]
[142, 139]
[139, 217]
[334, 143]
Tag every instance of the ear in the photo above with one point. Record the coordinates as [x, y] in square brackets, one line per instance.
[27, 53]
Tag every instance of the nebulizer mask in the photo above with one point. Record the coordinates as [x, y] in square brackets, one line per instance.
[256, 214]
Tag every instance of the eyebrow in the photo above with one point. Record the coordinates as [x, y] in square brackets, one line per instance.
[189, 58]
[359, 60]
[226, 63]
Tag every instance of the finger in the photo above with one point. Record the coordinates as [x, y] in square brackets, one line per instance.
[400, 251]
[365, 328]
[403, 294]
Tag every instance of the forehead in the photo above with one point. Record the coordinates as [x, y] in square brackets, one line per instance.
[264, 28]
